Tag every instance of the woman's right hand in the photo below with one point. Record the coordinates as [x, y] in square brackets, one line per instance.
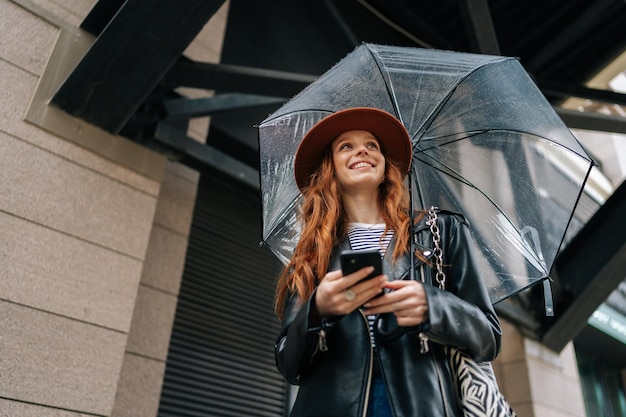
[338, 295]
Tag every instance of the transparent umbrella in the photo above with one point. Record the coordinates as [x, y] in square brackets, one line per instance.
[486, 143]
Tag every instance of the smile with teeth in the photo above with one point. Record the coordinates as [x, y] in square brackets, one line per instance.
[361, 164]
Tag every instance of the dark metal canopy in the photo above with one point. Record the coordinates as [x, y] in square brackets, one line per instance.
[126, 83]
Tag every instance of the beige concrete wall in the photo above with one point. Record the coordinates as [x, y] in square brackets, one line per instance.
[139, 389]
[93, 247]
[537, 381]
[75, 231]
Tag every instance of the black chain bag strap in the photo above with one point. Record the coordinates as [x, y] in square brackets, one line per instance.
[475, 382]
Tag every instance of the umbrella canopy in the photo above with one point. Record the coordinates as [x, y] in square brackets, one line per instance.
[486, 143]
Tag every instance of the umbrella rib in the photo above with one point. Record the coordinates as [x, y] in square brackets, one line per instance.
[464, 181]
[385, 76]
[580, 193]
[457, 176]
[454, 174]
[437, 109]
[285, 214]
[479, 132]
[469, 135]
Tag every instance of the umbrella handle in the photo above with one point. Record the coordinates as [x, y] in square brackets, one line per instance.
[547, 289]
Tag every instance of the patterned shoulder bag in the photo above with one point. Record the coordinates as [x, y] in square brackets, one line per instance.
[475, 382]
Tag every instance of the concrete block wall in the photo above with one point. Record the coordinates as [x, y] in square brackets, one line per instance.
[92, 248]
[143, 369]
[139, 388]
[537, 381]
[75, 229]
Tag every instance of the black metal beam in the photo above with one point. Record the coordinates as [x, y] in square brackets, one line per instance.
[281, 84]
[590, 268]
[569, 36]
[202, 157]
[234, 78]
[130, 57]
[567, 90]
[188, 108]
[592, 121]
[479, 26]
[341, 22]
[100, 15]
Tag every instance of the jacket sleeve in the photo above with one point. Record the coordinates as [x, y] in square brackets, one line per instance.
[299, 339]
[462, 315]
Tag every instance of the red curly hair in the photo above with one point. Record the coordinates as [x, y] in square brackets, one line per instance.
[325, 222]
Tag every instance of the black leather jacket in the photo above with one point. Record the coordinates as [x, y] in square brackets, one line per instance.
[335, 380]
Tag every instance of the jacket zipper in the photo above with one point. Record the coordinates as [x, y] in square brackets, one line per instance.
[368, 385]
[322, 346]
[424, 348]
[441, 385]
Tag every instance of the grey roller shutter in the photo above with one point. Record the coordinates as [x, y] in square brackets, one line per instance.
[220, 360]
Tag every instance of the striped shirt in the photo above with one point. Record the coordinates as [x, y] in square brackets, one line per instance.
[369, 236]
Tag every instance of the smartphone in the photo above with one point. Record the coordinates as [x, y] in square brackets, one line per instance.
[353, 260]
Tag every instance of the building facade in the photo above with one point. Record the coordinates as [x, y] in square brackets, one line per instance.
[133, 285]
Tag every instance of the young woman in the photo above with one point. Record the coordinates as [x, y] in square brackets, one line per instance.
[351, 352]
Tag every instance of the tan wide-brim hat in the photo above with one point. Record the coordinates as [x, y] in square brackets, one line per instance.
[390, 132]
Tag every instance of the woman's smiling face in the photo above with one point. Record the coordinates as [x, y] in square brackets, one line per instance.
[358, 160]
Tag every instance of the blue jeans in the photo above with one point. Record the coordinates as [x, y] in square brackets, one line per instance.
[378, 403]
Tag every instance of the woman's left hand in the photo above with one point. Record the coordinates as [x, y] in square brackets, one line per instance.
[407, 301]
